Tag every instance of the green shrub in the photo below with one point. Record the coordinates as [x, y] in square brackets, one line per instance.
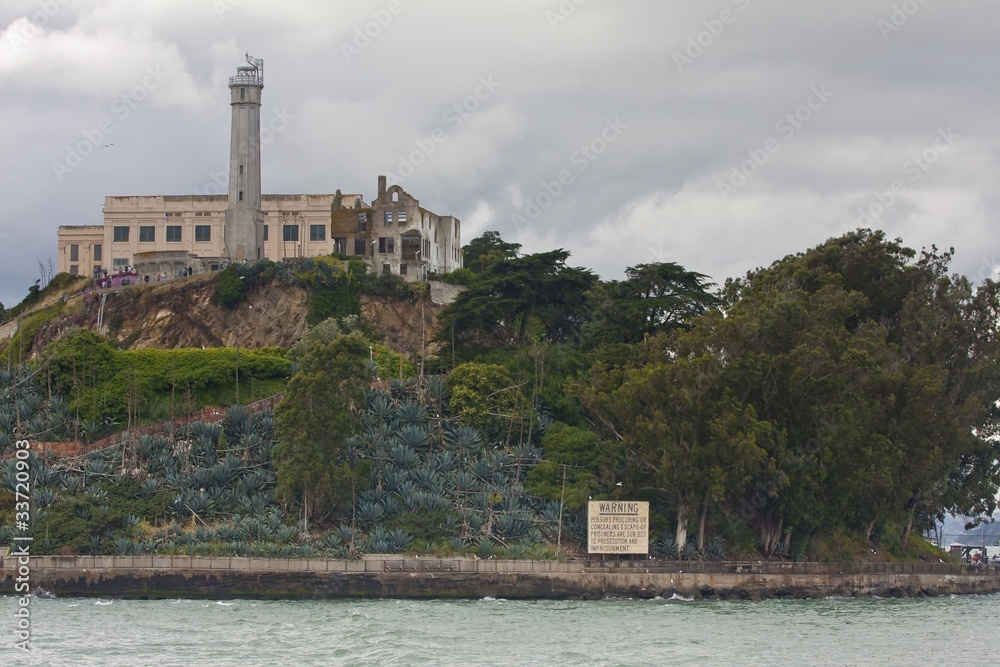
[460, 276]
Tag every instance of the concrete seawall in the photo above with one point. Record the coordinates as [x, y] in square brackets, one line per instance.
[157, 577]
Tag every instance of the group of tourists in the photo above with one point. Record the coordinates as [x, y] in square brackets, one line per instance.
[129, 276]
[126, 276]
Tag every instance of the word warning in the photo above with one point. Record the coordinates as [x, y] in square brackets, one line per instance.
[617, 527]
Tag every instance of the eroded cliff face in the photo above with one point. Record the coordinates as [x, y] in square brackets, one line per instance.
[182, 313]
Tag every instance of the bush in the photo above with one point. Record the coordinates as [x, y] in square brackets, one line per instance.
[460, 276]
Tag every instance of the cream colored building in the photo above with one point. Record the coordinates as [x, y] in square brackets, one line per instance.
[175, 234]
[168, 234]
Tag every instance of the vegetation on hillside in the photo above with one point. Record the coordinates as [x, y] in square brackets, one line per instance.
[835, 404]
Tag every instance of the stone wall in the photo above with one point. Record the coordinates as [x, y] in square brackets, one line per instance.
[411, 577]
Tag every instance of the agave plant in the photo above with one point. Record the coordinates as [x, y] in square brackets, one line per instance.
[286, 534]
[445, 461]
[485, 548]
[227, 532]
[369, 513]
[381, 406]
[412, 414]
[127, 547]
[427, 479]
[403, 457]
[465, 439]
[413, 436]
[149, 487]
[392, 506]
[399, 540]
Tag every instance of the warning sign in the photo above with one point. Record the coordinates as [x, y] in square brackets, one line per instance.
[617, 527]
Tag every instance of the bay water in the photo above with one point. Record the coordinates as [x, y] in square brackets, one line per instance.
[88, 631]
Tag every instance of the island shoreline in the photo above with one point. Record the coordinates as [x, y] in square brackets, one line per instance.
[166, 577]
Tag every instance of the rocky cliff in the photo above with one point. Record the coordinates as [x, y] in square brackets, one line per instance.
[183, 313]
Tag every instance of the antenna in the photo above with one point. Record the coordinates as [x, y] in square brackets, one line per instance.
[258, 64]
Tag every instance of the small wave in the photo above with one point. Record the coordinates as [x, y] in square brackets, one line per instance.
[679, 598]
[224, 604]
[490, 598]
[104, 603]
[42, 593]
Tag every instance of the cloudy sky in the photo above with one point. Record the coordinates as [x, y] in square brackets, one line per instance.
[721, 134]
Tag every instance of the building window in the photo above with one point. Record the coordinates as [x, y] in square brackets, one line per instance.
[147, 234]
[74, 252]
[119, 263]
[74, 269]
[388, 217]
[243, 93]
[386, 268]
[290, 233]
[265, 232]
[386, 244]
[362, 222]
[402, 269]
[202, 233]
[317, 232]
[340, 246]
[97, 252]
[121, 234]
[241, 170]
[401, 217]
[241, 195]
[173, 233]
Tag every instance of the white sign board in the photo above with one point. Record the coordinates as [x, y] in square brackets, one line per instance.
[617, 527]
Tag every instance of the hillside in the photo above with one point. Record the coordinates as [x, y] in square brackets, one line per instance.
[184, 313]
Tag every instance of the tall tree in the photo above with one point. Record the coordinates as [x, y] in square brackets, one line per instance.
[486, 250]
[512, 297]
[318, 413]
[653, 298]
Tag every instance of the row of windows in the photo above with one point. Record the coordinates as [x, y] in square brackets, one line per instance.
[147, 234]
[203, 233]
[400, 217]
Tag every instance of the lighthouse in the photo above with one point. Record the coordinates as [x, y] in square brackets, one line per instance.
[244, 227]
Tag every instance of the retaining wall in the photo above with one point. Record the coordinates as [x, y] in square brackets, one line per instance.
[240, 577]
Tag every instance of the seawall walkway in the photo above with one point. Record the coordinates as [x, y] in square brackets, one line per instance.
[157, 577]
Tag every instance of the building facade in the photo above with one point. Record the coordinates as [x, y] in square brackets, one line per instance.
[195, 233]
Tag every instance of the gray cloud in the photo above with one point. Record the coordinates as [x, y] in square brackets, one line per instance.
[365, 82]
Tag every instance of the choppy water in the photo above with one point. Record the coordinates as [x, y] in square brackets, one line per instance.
[84, 631]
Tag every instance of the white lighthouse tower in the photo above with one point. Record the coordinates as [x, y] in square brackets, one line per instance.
[244, 231]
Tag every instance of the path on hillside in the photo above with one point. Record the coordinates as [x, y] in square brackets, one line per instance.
[210, 415]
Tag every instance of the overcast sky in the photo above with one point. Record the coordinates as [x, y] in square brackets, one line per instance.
[720, 134]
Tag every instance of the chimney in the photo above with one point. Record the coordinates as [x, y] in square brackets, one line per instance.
[381, 185]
